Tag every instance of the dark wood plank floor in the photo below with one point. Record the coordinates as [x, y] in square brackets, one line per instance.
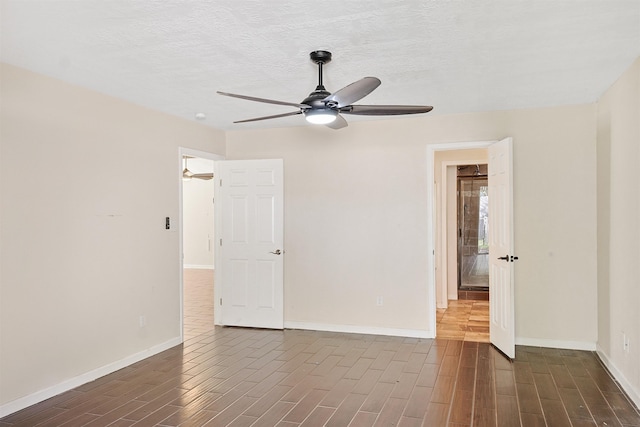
[248, 377]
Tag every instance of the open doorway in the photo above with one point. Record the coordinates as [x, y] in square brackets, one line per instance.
[456, 225]
[197, 241]
[499, 158]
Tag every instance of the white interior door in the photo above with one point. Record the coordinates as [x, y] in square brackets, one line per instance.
[501, 255]
[250, 206]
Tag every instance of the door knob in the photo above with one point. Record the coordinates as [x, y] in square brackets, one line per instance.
[277, 252]
[505, 258]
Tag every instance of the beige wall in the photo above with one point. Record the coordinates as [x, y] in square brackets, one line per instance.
[355, 218]
[618, 228]
[86, 183]
[197, 202]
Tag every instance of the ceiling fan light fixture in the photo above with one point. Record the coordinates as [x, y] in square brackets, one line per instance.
[320, 116]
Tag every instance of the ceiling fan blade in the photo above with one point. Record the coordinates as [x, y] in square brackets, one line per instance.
[293, 113]
[354, 92]
[205, 176]
[267, 101]
[338, 123]
[385, 110]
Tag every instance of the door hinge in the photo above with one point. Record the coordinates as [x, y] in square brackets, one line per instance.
[220, 242]
[220, 182]
[220, 301]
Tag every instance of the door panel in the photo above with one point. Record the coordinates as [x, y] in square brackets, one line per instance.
[501, 278]
[239, 279]
[266, 278]
[239, 218]
[250, 204]
[265, 209]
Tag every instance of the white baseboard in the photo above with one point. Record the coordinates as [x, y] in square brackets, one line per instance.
[568, 345]
[71, 383]
[353, 329]
[198, 266]
[632, 392]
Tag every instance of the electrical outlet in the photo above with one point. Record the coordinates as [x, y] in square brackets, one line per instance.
[143, 320]
[379, 301]
[625, 343]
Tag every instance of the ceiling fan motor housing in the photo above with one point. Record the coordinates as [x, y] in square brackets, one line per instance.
[315, 98]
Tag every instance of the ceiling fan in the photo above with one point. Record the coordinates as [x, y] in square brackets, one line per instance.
[187, 174]
[325, 108]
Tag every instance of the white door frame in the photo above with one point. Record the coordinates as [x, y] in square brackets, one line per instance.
[184, 151]
[431, 217]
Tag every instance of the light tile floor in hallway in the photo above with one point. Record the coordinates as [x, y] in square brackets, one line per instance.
[465, 320]
[198, 302]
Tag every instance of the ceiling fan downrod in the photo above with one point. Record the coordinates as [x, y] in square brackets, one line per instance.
[320, 57]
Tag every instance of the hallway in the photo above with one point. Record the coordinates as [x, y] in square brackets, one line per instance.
[465, 320]
[198, 302]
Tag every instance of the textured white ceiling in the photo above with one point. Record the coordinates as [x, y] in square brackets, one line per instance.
[459, 56]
